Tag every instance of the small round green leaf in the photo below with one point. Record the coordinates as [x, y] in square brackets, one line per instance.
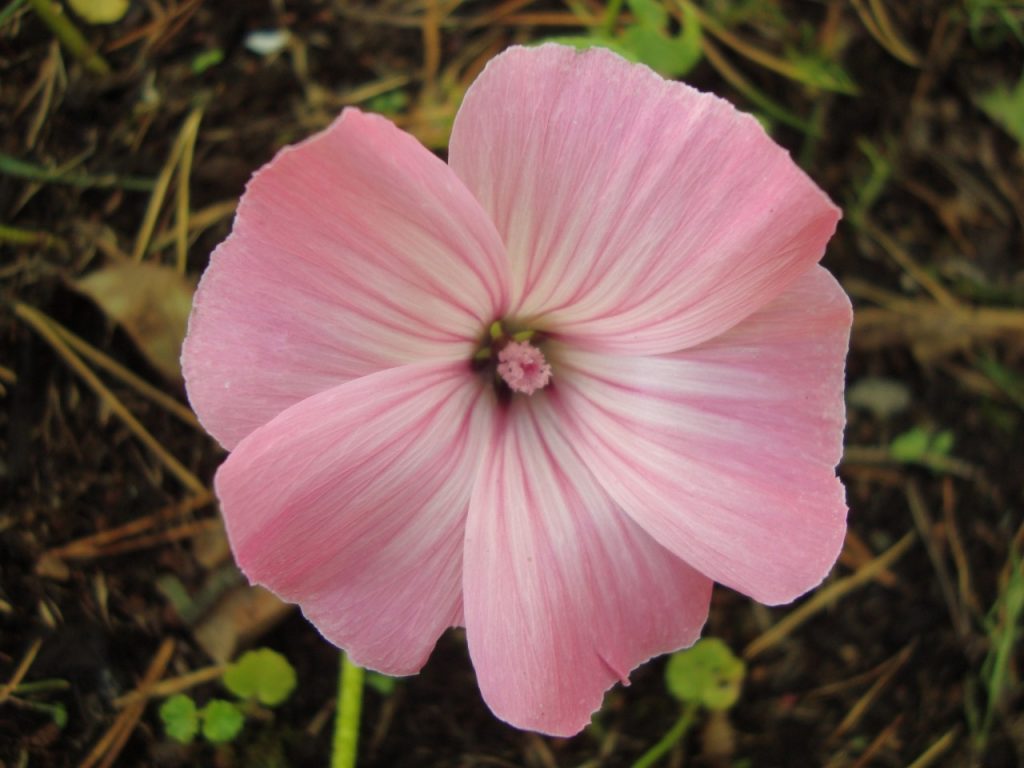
[262, 674]
[708, 674]
[180, 719]
[222, 721]
[100, 11]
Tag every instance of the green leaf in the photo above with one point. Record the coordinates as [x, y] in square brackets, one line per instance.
[920, 444]
[820, 72]
[222, 721]
[1006, 108]
[649, 41]
[583, 42]
[207, 60]
[708, 674]
[180, 718]
[262, 674]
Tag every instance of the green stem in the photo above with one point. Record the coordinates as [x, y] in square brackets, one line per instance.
[611, 15]
[669, 740]
[346, 723]
[69, 36]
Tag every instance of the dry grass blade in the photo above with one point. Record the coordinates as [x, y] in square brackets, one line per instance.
[876, 21]
[863, 704]
[940, 747]
[42, 325]
[925, 527]
[172, 686]
[911, 267]
[827, 596]
[163, 182]
[880, 742]
[97, 544]
[111, 366]
[19, 674]
[109, 747]
[199, 221]
[189, 132]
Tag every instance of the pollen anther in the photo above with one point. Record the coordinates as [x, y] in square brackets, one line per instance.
[522, 366]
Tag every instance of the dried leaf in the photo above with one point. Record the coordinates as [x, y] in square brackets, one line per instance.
[151, 303]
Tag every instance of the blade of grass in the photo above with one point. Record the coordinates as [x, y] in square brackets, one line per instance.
[12, 166]
[18, 236]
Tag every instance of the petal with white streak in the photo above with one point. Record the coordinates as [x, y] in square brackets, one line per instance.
[640, 215]
[354, 251]
[353, 503]
[564, 594]
[726, 453]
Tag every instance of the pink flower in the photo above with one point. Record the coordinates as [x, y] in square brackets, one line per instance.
[549, 392]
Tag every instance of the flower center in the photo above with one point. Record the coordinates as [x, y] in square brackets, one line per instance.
[523, 367]
[516, 364]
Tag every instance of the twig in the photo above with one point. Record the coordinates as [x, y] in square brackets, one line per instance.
[826, 596]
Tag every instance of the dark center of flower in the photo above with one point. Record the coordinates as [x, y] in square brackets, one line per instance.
[513, 361]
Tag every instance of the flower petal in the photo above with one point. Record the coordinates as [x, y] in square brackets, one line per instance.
[563, 593]
[725, 453]
[640, 215]
[353, 502]
[355, 251]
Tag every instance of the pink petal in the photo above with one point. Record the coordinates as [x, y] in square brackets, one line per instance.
[564, 594]
[353, 503]
[725, 453]
[355, 251]
[640, 216]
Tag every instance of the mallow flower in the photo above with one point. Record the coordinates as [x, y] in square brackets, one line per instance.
[549, 391]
